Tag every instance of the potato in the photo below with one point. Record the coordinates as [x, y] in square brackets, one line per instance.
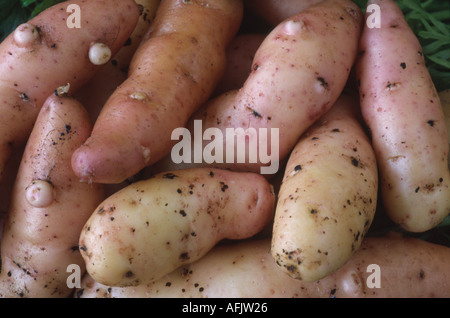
[240, 54]
[298, 72]
[402, 110]
[45, 53]
[97, 90]
[154, 226]
[174, 71]
[328, 196]
[275, 11]
[383, 267]
[49, 206]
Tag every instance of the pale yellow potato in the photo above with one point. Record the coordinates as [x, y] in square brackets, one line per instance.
[328, 196]
[154, 226]
[43, 225]
[402, 109]
[407, 268]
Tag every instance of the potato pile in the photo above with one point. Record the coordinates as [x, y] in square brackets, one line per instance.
[160, 149]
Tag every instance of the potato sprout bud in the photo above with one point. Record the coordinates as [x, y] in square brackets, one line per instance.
[99, 53]
[62, 90]
[25, 34]
[39, 193]
[293, 26]
[139, 96]
[146, 153]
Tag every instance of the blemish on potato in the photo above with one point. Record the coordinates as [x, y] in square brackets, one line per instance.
[421, 274]
[321, 85]
[392, 86]
[254, 112]
[129, 274]
[184, 256]
[223, 186]
[169, 175]
[24, 97]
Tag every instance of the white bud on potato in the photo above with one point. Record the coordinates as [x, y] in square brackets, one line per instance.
[141, 96]
[25, 34]
[293, 26]
[99, 53]
[39, 193]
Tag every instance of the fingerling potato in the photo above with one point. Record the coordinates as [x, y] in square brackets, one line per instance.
[384, 267]
[328, 196]
[402, 109]
[154, 226]
[49, 206]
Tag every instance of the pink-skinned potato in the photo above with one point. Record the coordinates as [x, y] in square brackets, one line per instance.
[384, 267]
[94, 94]
[153, 226]
[45, 53]
[297, 74]
[403, 112]
[173, 72]
[49, 206]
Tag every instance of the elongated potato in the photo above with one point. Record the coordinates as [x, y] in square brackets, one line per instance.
[174, 71]
[45, 53]
[402, 109]
[49, 206]
[298, 72]
[154, 226]
[328, 196]
[383, 267]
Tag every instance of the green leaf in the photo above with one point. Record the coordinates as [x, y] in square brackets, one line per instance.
[45, 4]
[11, 16]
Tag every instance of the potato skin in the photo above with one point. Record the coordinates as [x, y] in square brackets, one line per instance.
[38, 243]
[154, 226]
[240, 53]
[174, 71]
[409, 268]
[402, 110]
[99, 88]
[297, 74]
[328, 196]
[275, 11]
[28, 75]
